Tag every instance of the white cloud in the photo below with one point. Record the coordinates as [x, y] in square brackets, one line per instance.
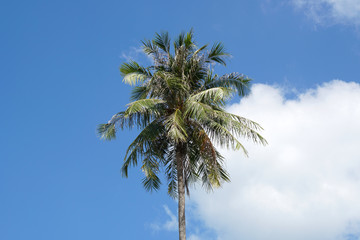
[170, 225]
[133, 54]
[306, 183]
[331, 11]
[194, 237]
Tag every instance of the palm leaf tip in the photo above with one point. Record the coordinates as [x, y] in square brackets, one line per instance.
[218, 53]
[107, 131]
[151, 182]
[162, 40]
[132, 73]
[148, 47]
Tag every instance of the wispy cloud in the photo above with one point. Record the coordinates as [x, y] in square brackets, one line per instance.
[331, 11]
[306, 183]
[194, 237]
[132, 54]
[170, 224]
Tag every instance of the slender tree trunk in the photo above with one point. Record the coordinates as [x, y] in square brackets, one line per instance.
[181, 192]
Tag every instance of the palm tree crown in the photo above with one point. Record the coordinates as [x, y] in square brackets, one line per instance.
[178, 103]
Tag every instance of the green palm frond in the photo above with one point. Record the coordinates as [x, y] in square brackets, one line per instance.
[217, 54]
[223, 137]
[216, 95]
[107, 131]
[139, 92]
[196, 109]
[171, 176]
[235, 81]
[151, 182]
[162, 41]
[213, 174]
[148, 142]
[172, 82]
[241, 126]
[179, 41]
[188, 40]
[143, 106]
[133, 73]
[149, 48]
[150, 168]
[175, 127]
[199, 50]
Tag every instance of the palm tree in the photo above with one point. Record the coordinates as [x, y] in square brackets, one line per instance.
[178, 103]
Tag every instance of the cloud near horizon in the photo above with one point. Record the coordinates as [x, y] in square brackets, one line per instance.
[306, 183]
[326, 12]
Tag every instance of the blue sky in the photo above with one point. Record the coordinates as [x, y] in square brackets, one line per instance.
[59, 79]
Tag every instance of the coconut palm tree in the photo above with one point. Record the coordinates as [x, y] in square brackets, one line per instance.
[178, 103]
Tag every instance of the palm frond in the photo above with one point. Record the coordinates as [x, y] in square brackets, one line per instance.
[139, 92]
[216, 95]
[162, 41]
[179, 41]
[142, 106]
[172, 82]
[235, 81]
[188, 40]
[217, 54]
[151, 182]
[175, 127]
[150, 168]
[145, 144]
[241, 126]
[133, 73]
[196, 109]
[107, 131]
[222, 136]
[199, 50]
[149, 48]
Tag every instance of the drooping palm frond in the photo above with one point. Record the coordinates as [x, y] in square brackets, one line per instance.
[222, 136]
[242, 127]
[142, 106]
[175, 127]
[133, 73]
[147, 144]
[171, 172]
[150, 167]
[216, 95]
[107, 131]
[235, 81]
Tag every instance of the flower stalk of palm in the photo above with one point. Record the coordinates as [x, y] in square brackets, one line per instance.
[178, 103]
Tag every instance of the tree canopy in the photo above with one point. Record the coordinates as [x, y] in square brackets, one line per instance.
[178, 103]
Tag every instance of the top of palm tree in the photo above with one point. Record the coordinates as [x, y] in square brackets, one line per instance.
[178, 103]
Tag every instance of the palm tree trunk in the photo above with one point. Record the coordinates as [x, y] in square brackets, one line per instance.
[181, 192]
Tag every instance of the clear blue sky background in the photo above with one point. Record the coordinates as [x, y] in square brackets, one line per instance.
[59, 79]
